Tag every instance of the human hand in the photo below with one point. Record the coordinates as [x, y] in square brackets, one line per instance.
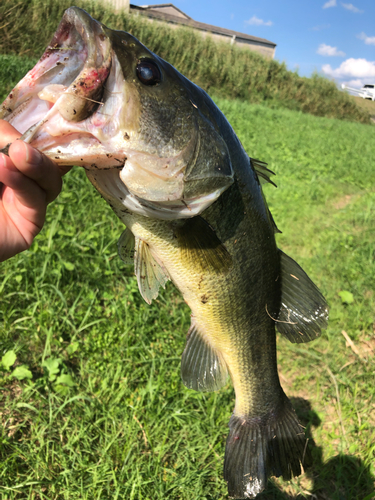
[28, 182]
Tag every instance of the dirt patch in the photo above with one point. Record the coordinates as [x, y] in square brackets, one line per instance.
[9, 421]
[11, 391]
[367, 346]
[343, 202]
[364, 347]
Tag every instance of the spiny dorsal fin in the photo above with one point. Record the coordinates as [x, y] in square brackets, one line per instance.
[202, 367]
[125, 247]
[275, 228]
[303, 311]
[262, 171]
[263, 175]
[150, 272]
[200, 245]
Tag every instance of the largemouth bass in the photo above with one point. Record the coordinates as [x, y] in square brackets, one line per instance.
[167, 161]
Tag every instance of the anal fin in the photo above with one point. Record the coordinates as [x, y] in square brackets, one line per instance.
[303, 310]
[202, 366]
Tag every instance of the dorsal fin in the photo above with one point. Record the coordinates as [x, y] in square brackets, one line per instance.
[263, 175]
[202, 367]
[275, 228]
[303, 311]
[262, 171]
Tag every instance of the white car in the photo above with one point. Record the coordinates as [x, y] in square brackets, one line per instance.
[366, 92]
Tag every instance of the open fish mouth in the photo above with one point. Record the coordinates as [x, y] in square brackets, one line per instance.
[65, 106]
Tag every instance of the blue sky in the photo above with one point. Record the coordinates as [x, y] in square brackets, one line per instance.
[335, 38]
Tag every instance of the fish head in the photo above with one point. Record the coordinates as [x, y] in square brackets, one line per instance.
[148, 138]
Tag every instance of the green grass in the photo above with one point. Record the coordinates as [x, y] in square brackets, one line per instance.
[105, 414]
[12, 69]
[228, 71]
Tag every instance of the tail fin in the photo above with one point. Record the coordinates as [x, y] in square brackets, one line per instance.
[257, 448]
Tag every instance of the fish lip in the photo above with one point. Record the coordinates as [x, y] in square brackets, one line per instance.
[80, 39]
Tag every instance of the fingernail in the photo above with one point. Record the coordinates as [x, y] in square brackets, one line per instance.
[32, 155]
[2, 161]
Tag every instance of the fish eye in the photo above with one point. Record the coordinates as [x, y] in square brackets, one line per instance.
[148, 72]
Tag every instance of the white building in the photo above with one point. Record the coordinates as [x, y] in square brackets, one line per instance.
[168, 13]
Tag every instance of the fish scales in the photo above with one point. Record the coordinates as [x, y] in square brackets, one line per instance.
[167, 161]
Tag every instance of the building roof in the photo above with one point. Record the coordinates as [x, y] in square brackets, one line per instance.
[166, 8]
[170, 13]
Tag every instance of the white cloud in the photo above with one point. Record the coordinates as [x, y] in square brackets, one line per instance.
[369, 40]
[321, 27]
[255, 21]
[352, 68]
[350, 6]
[327, 50]
[330, 3]
[357, 83]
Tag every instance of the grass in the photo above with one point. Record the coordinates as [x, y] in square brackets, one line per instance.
[105, 414]
[12, 69]
[227, 71]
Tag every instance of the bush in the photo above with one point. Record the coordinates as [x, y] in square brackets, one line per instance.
[224, 70]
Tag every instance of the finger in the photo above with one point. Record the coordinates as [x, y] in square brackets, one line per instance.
[37, 167]
[23, 209]
[27, 192]
[8, 133]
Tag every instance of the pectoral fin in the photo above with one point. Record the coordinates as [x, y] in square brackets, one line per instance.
[150, 272]
[303, 311]
[202, 367]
